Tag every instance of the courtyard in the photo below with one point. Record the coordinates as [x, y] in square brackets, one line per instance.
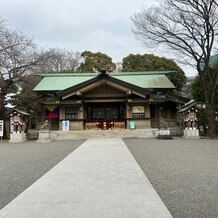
[182, 171]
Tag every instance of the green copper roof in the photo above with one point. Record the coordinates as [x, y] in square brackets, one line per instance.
[61, 81]
[147, 81]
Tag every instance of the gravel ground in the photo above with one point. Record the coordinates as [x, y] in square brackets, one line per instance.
[21, 164]
[183, 172]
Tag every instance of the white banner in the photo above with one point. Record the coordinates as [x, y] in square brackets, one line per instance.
[65, 125]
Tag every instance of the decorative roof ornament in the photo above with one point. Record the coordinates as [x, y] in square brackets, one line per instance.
[107, 68]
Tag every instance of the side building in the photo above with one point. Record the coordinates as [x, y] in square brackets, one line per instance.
[108, 100]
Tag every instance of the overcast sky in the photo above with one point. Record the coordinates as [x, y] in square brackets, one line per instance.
[79, 25]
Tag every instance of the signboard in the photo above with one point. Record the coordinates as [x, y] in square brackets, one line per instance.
[138, 109]
[1, 128]
[65, 125]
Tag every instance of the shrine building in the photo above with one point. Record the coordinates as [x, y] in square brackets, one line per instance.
[103, 100]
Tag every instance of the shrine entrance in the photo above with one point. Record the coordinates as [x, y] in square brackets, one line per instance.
[105, 116]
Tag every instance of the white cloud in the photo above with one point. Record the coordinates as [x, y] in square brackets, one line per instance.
[95, 25]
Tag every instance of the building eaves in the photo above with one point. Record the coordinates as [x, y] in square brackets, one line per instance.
[187, 106]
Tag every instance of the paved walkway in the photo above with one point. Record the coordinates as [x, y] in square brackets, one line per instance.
[99, 179]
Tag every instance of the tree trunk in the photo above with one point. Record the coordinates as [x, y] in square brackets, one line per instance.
[212, 122]
[2, 111]
[209, 96]
[2, 104]
[210, 106]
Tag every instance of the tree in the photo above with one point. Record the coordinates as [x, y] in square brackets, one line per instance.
[197, 91]
[61, 61]
[27, 98]
[189, 28]
[93, 62]
[150, 62]
[18, 57]
[199, 97]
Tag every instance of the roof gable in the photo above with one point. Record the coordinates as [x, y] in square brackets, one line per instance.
[104, 90]
[99, 81]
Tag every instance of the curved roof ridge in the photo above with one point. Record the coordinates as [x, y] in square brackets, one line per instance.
[78, 74]
[158, 72]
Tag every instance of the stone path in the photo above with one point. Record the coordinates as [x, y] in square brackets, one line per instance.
[99, 179]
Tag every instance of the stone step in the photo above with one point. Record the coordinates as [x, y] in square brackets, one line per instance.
[87, 134]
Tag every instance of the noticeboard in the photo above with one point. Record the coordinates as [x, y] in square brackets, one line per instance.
[1, 128]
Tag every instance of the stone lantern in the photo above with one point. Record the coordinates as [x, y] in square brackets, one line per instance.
[18, 124]
[189, 111]
[190, 118]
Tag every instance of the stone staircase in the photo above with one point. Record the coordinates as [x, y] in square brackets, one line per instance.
[87, 134]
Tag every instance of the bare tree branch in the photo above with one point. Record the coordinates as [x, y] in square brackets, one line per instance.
[188, 27]
[18, 56]
[61, 60]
